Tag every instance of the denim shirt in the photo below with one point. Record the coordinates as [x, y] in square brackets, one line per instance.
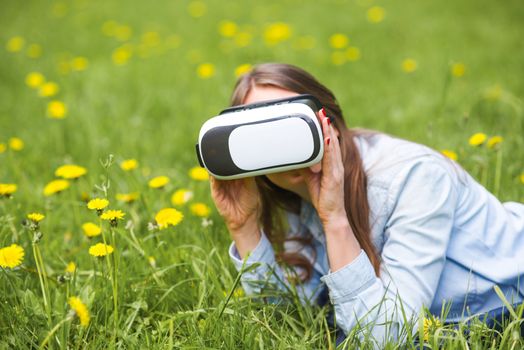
[442, 240]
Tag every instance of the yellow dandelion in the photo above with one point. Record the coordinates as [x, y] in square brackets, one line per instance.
[79, 63]
[34, 51]
[48, 89]
[352, 53]
[16, 144]
[477, 139]
[11, 256]
[55, 186]
[70, 268]
[409, 65]
[338, 41]
[450, 154]
[112, 216]
[430, 326]
[494, 141]
[206, 70]
[7, 190]
[35, 217]
[522, 178]
[15, 44]
[3, 147]
[197, 9]
[70, 171]
[122, 54]
[127, 197]
[199, 173]
[158, 182]
[458, 69]
[168, 217]
[338, 58]
[242, 69]
[100, 249]
[91, 230]
[34, 80]
[200, 209]
[227, 29]
[80, 310]
[97, 204]
[129, 164]
[376, 14]
[275, 33]
[56, 109]
[181, 197]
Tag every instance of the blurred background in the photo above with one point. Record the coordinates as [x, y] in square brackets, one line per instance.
[83, 82]
[139, 78]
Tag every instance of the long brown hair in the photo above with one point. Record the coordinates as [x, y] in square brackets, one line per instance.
[275, 199]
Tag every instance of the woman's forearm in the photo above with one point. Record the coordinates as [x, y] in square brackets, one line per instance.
[342, 245]
[246, 237]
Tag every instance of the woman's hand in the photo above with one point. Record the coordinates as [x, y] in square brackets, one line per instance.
[238, 202]
[326, 183]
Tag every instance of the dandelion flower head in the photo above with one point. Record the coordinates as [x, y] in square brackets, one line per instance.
[477, 139]
[158, 182]
[199, 173]
[11, 256]
[100, 249]
[200, 209]
[6, 190]
[168, 217]
[70, 268]
[129, 164]
[450, 154]
[70, 171]
[35, 217]
[97, 204]
[55, 186]
[91, 230]
[16, 144]
[181, 196]
[80, 310]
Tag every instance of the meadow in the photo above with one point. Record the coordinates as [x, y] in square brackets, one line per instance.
[108, 234]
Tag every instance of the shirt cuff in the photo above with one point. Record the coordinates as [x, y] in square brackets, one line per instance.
[263, 253]
[351, 279]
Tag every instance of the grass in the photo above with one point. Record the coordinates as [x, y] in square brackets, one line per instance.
[176, 287]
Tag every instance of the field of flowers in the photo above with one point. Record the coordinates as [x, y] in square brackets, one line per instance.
[108, 234]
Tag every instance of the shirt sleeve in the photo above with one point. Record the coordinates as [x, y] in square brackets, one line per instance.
[269, 278]
[422, 201]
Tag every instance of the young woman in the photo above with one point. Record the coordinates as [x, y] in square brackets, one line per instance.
[387, 226]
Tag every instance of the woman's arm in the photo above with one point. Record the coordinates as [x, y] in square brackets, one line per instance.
[269, 276]
[422, 202]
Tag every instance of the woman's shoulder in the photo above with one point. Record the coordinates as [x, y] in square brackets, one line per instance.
[386, 157]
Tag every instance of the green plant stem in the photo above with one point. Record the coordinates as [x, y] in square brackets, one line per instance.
[498, 171]
[53, 331]
[43, 281]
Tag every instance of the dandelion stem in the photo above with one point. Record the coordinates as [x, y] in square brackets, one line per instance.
[42, 277]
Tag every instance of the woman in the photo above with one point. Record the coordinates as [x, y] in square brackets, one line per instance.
[387, 225]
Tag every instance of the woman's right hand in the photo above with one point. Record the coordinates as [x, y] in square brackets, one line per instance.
[238, 201]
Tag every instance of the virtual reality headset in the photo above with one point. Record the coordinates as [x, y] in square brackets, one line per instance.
[262, 138]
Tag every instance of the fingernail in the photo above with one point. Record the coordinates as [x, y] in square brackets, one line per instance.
[328, 140]
[323, 111]
[329, 120]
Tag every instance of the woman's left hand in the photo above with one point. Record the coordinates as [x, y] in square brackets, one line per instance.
[326, 183]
